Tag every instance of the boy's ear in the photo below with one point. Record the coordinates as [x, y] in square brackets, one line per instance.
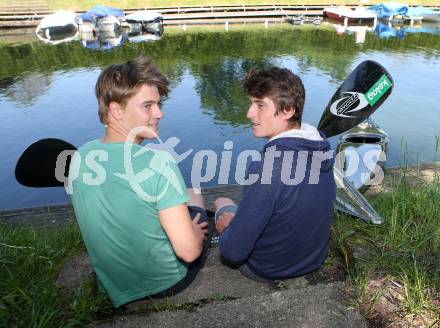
[115, 110]
[288, 112]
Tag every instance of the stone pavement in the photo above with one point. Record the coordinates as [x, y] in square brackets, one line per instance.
[221, 297]
[313, 306]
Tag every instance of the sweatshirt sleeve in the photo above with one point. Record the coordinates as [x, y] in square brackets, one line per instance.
[254, 212]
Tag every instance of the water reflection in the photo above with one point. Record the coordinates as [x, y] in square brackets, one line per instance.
[383, 29]
[25, 90]
[360, 31]
[219, 86]
[207, 106]
[104, 40]
[387, 29]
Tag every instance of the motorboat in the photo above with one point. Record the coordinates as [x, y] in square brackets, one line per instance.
[349, 15]
[101, 18]
[361, 154]
[58, 27]
[389, 10]
[425, 14]
[302, 19]
[149, 20]
[400, 12]
[108, 24]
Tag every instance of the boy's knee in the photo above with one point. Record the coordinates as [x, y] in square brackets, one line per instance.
[223, 201]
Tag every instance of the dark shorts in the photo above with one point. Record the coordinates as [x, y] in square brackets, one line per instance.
[193, 267]
[248, 273]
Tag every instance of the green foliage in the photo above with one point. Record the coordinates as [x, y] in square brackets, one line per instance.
[405, 248]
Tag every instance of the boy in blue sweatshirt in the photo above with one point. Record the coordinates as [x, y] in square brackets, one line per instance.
[281, 228]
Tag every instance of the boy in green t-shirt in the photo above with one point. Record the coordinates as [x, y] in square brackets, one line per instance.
[142, 239]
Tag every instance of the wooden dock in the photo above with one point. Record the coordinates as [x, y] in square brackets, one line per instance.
[28, 13]
[22, 17]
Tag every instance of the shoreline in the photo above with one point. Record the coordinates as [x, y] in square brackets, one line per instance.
[45, 216]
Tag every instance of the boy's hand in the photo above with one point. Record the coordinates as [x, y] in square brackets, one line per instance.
[223, 221]
[201, 229]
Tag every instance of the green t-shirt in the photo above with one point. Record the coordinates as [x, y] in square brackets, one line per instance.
[117, 190]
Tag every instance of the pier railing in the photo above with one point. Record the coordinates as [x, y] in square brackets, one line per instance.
[21, 15]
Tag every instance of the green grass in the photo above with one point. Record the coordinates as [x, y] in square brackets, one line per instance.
[405, 249]
[30, 260]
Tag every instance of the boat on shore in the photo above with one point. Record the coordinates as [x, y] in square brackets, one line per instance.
[58, 27]
[425, 14]
[302, 19]
[101, 19]
[400, 12]
[390, 10]
[348, 15]
[147, 20]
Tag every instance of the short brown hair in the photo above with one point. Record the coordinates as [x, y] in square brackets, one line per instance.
[120, 82]
[279, 84]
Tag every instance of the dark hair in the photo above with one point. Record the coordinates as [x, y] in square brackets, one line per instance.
[283, 87]
[120, 82]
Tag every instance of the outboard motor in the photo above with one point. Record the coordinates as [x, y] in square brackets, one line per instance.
[361, 154]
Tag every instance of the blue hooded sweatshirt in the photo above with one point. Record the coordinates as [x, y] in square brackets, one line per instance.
[282, 226]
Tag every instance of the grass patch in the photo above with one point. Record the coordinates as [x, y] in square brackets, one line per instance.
[404, 251]
[30, 260]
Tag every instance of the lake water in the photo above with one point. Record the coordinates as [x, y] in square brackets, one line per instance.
[48, 91]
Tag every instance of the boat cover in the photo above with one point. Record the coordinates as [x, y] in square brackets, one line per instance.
[358, 13]
[59, 18]
[100, 11]
[143, 16]
[386, 10]
[421, 11]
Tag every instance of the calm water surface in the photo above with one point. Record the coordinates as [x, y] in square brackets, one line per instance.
[47, 91]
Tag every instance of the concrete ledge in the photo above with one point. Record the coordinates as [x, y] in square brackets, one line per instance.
[314, 306]
[214, 281]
